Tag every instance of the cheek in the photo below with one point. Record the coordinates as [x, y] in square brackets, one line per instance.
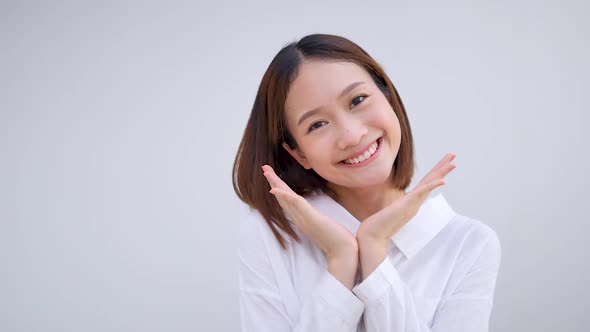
[396, 132]
[389, 122]
[319, 153]
[315, 151]
[386, 116]
[396, 124]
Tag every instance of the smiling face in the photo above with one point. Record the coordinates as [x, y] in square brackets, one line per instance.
[335, 111]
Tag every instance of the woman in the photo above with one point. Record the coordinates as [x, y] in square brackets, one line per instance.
[338, 244]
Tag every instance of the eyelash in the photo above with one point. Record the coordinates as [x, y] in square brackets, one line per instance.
[311, 128]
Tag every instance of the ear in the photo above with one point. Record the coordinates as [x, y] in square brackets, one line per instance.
[297, 155]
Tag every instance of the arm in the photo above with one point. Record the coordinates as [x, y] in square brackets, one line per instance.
[267, 297]
[389, 303]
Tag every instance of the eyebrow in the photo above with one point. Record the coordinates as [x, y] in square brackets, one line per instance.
[317, 109]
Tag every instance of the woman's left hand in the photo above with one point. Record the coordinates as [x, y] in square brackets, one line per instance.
[381, 226]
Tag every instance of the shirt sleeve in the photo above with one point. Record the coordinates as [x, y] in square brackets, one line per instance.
[266, 297]
[390, 306]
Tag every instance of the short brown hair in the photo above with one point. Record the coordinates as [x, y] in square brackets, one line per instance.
[267, 128]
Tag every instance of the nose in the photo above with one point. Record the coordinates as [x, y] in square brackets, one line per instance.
[351, 133]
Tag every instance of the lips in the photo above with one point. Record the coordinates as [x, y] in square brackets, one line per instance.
[359, 153]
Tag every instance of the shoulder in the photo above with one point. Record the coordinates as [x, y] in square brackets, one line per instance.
[253, 250]
[477, 240]
[250, 223]
[255, 235]
[474, 231]
[252, 229]
[476, 257]
[472, 228]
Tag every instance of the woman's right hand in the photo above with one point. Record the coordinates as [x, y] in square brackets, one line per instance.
[333, 239]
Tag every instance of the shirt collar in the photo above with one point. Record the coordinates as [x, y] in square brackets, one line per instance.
[434, 214]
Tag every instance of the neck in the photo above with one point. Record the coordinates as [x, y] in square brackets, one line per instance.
[366, 201]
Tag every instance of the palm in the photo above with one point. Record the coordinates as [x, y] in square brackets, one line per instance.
[327, 234]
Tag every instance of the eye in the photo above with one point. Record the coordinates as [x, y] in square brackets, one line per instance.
[359, 98]
[313, 125]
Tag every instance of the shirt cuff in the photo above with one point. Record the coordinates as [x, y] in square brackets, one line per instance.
[340, 298]
[379, 283]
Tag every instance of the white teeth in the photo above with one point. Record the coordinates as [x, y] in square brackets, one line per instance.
[364, 156]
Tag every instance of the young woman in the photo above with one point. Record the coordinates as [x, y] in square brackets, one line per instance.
[337, 244]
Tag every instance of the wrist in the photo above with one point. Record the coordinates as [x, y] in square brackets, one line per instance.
[371, 254]
[344, 269]
[344, 262]
[346, 249]
[372, 245]
[365, 240]
[345, 255]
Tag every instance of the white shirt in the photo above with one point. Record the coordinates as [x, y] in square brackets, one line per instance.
[439, 275]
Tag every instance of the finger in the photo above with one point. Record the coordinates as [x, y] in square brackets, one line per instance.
[295, 206]
[445, 159]
[435, 184]
[286, 204]
[281, 197]
[423, 190]
[274, 179]
[444, 170]
[448, 158]
[441, 169]
[291, 201]
[284, 195]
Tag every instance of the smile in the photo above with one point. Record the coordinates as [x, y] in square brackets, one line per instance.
[365, 157]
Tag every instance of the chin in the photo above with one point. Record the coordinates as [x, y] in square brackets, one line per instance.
[368, 180]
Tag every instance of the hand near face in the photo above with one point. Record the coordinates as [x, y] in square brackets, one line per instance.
[381, 226]
[374, 233]
[332, 238]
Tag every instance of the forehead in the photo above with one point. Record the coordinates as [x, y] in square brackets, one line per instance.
[319, 83]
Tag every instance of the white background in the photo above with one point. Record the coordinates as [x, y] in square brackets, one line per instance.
[119, 123]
